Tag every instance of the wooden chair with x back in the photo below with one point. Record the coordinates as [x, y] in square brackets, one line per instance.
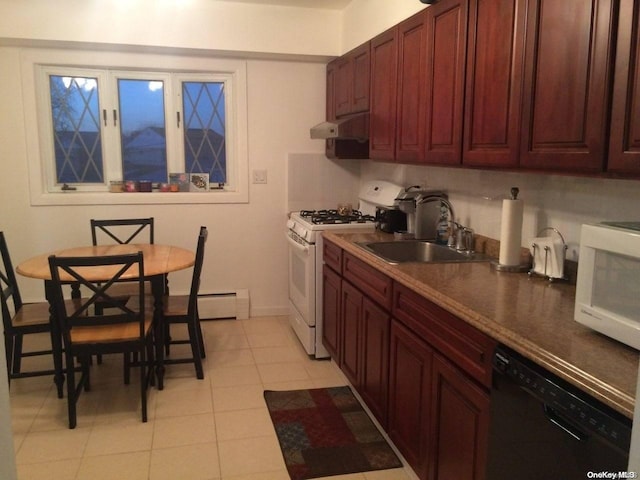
[183, 309]
[127, 328]
[19, 320]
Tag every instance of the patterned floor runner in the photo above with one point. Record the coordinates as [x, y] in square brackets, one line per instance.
[325, 432]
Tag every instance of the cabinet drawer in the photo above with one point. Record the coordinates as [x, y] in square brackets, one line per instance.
[374, 284]
[461, 343]
[332, 256]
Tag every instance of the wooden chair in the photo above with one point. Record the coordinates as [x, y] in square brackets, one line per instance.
[127, 328]
[122, 231]
[20, 319]
[183, 309]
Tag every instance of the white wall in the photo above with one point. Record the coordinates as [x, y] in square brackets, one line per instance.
[364, 19]
[194, 24]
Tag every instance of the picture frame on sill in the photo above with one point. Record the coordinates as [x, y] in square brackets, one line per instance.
[198, 182]
[179, 182]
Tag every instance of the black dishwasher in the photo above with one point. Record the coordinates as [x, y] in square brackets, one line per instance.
[544, 428]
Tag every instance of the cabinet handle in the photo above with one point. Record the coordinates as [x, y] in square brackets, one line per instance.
[115, 117]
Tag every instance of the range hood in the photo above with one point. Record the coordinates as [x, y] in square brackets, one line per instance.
[353, 127]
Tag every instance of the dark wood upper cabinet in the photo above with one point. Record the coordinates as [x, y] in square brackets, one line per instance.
[495, 60]
[411, 95]
[567, 78]
[624, 147]
[384, 66]
[340, 147]
[446, 23]
[351, 77]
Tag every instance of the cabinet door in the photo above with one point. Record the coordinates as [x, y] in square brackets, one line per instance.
[410, 366]
[343, 73]
[446, 46]
[411, 114]
[624, 148]
[459, 425]
[352, 77]
[568, 59]
[375, 365]
[495, 59]
[351, 332]
[331, 106]
[382, 127]
[361, 61]
[331, 325]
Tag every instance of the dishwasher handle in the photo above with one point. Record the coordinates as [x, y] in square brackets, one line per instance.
[563, 424]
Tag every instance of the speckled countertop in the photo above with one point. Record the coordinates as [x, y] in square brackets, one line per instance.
[529, 315]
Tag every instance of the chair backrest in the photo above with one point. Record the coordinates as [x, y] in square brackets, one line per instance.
[8, 284]
[81, 313]
[197, 271]
[121, 230]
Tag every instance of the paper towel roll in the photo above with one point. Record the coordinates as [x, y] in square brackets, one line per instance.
[511, 232]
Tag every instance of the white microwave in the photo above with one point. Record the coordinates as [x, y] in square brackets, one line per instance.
[608, 283]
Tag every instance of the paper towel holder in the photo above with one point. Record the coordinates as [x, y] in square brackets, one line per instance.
[547, 260]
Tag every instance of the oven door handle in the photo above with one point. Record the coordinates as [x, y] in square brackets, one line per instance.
[296, 245]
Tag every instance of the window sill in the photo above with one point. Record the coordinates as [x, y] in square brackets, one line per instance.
[137, 198]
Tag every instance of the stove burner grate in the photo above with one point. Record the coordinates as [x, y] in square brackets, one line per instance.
[326, 217]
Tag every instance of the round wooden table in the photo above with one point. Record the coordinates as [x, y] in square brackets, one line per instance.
[158, 261]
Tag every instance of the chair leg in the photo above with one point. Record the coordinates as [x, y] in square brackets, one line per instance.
[17, 354]
[86, 373]
[195, 347]
[143, 383]
[127, 368]
[71, 391]
[8, 349]
[203, 353]
[167, 338]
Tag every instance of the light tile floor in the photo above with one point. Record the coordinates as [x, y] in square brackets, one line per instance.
[216, 428]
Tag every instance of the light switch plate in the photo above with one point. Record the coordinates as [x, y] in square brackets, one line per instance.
[259, 176]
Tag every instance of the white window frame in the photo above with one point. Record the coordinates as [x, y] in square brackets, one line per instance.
[40, 150]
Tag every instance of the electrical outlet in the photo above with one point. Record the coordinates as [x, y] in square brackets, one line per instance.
[259, 176]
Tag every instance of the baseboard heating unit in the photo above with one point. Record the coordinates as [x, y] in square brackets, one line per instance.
[219, 305]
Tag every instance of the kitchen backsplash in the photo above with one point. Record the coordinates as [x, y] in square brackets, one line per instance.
[315, 182]
[562, 202]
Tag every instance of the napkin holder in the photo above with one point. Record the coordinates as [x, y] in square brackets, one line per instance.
[548, 254]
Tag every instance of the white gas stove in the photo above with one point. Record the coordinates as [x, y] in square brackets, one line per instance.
[304, 235]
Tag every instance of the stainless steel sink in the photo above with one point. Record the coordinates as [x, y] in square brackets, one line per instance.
[419, 251]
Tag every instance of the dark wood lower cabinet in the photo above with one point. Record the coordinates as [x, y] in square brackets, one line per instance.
[422, 372]
[459, 426]
[365, 357]
[374, 380]
[351, 332]
[331, 313]
[438, 417]
[410, 362]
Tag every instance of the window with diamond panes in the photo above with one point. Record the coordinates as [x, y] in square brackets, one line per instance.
[204, 133]
[77, 135]
[99, 126]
